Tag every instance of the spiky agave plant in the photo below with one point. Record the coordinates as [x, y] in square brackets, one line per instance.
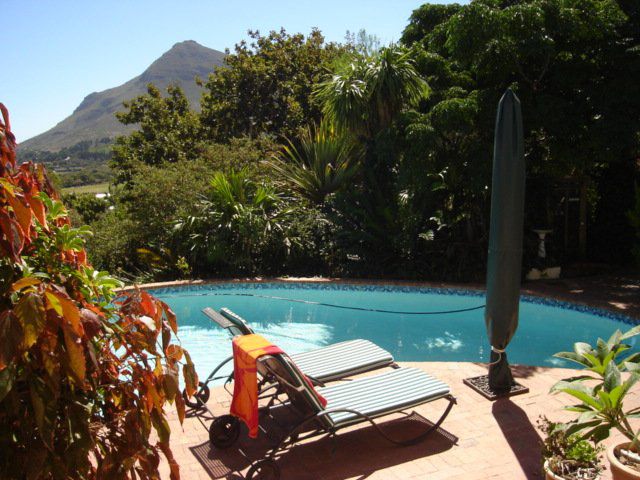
[320, 163]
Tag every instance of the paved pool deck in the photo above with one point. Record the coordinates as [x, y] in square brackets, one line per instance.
[479, 440]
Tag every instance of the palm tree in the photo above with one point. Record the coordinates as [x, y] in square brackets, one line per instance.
[324, 161]
[366, 94]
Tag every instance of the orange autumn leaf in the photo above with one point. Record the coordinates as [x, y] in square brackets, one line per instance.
[12, 236]
[171, 317]
[67, 309]
[22, 211]
[24, 283]
[75, 356]
[37, 207]
[180, 408]
[31, 313]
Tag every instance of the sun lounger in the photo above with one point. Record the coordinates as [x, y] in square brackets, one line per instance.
[359, 401]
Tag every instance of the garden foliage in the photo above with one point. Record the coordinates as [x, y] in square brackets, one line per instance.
[85, 373]
[412, 199]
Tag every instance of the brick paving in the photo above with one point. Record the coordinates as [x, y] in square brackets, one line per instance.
[479, 439]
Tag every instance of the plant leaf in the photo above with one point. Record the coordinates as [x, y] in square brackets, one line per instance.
[7, 377]
[612, 377]
[579, 391]
[75, 354]
[573, 357]
[25, 282]
[11, 337]
[31, 313]
[631, 333]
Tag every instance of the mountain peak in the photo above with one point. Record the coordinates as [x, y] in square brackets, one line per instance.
[184, 61]
[187, 44]
[94, 118]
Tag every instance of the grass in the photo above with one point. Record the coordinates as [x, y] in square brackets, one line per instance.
[94, 188]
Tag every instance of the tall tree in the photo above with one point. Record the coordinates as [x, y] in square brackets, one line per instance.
[168, 131]
[266, 86]
[571, 63]
[366, 95]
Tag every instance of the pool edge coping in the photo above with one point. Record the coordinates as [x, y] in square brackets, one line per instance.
[595, 307]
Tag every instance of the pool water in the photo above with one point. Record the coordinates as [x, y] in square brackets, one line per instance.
[545, 327]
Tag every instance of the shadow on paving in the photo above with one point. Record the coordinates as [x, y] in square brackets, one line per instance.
[354, 453]
[524, 371]
[521, 435]
[519, 371]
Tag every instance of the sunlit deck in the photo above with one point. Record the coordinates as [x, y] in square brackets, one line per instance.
[479, 439]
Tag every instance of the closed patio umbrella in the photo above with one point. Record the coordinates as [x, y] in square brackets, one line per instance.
[505, 238]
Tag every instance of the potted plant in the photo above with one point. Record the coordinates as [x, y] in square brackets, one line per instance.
[568, 457]
[601, 395]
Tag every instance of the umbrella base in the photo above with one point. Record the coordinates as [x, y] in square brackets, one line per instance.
[481, 385]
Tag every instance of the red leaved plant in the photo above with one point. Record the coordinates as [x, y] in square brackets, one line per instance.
[85, 373]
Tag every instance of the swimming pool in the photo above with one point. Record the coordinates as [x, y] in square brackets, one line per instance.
[546, 326]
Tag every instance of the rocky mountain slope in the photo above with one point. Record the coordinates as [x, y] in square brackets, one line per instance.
[94, 120]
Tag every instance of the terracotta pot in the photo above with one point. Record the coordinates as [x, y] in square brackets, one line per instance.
[619, 470]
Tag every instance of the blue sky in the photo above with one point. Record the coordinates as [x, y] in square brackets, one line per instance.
[57, 52]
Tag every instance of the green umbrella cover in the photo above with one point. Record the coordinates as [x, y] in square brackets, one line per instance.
[505, 238]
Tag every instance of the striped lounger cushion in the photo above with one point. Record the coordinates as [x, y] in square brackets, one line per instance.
[384, 393]
[333, 361]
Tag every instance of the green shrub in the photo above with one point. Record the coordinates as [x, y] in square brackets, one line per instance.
[634, 218]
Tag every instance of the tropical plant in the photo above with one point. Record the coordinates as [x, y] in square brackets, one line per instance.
[85, 373]
[324, 162]
[240, 226]
[601, 406]
[569, 456]
[367, 92]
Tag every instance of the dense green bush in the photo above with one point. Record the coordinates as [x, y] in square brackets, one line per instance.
[87, 206]
[634, 218]
[113, 244]
[240, 227]
[137, 237]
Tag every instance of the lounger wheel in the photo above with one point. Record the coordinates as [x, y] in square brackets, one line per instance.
[224, 431]
[199, 398]
[264, 470]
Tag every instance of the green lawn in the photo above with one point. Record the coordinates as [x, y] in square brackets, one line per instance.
[94, 188]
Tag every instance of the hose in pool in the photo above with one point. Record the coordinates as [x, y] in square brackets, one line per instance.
[331, 305]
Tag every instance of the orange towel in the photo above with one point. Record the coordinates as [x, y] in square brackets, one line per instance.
[246, 351]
